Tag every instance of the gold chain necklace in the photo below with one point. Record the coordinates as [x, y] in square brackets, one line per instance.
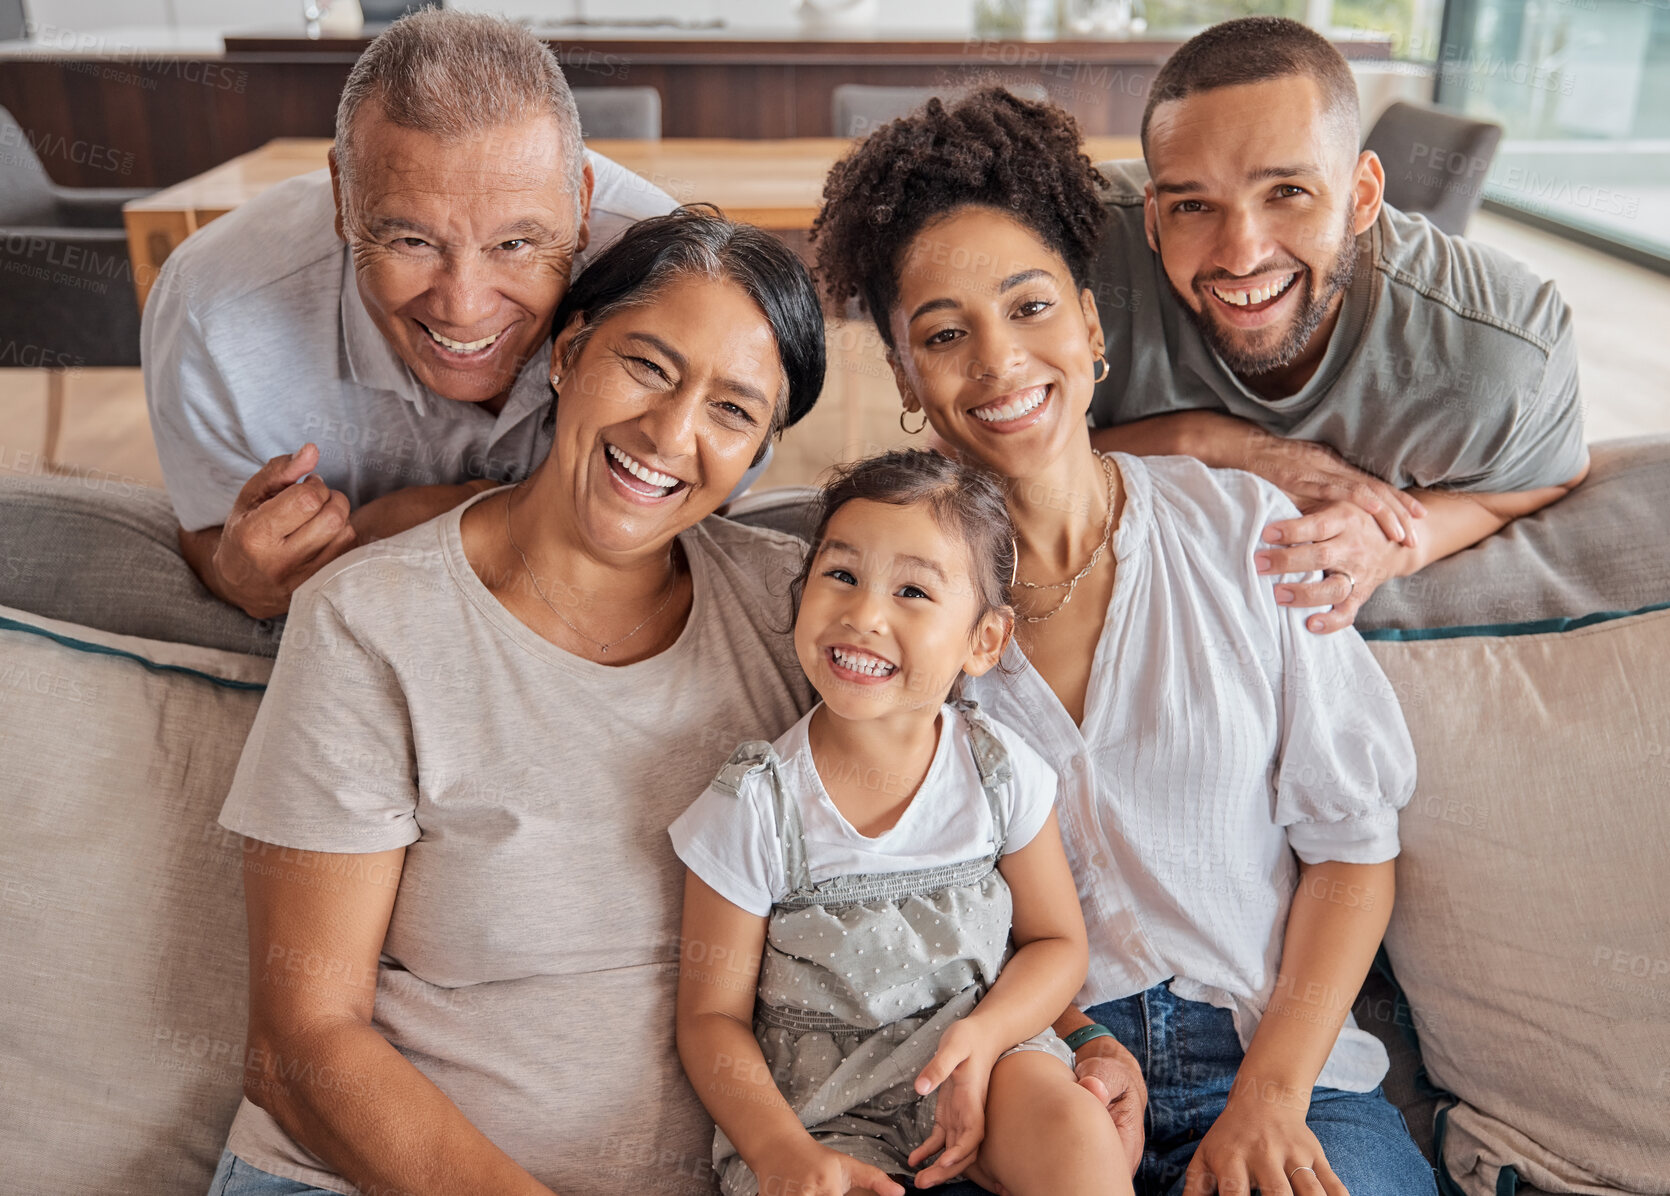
[602, 648]
[1072, 583]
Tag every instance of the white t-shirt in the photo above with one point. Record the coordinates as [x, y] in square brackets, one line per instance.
[733, 844]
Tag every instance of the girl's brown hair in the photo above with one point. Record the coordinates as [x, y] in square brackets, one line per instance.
[966, 501]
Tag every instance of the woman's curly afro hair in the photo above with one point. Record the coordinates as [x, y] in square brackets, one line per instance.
[990, 149]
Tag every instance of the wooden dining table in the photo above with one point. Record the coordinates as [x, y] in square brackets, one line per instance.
[776, 184]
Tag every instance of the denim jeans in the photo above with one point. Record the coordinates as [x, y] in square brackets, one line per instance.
[234, 1177]
[1189, 1051]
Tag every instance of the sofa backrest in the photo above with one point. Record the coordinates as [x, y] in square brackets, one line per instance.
[103, 553]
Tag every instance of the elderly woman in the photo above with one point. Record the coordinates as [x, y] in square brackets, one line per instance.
[463, 905]
[1230, 782]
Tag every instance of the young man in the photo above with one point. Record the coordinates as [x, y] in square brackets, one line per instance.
[1412, 391]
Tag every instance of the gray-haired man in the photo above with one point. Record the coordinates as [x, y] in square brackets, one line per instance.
[383, 331]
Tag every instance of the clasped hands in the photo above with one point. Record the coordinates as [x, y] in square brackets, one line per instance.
[1357, 530]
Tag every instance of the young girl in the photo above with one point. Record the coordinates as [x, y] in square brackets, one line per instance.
[880, 854]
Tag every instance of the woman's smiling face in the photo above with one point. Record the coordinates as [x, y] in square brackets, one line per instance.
[994, 340]
[662, 411]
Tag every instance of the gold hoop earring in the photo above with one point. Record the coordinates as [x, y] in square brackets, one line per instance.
[912, 431]
[1107, 368]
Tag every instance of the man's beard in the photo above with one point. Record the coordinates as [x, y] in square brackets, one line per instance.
[1313, 309]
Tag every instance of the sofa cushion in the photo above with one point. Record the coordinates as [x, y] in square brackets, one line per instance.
[1601, 548]
[101, 552]
[122, 962]
[1530, 933]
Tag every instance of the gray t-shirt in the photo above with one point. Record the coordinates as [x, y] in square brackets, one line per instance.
[255, 341]
[530, 965]
[1451, 364]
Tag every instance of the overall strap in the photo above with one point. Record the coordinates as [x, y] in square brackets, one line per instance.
[759, 756]
[991, 760]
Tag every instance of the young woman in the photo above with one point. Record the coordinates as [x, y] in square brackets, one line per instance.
[1231, 781]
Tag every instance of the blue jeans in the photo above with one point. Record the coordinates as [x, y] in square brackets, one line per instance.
[234, 1177]
[1189, 1052]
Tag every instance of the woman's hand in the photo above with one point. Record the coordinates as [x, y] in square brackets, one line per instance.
[1260, 1141]
[808, 1168]
[1110, 1072]
[961, 1070]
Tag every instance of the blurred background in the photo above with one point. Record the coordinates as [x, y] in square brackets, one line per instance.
[1541, 127]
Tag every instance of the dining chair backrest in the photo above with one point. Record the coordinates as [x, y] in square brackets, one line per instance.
[14, 23]
[1435, 162]
[632, 113]
[25, 190]
[859, 108]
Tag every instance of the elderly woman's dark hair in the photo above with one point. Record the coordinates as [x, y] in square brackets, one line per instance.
[697, 240]
[991, 149]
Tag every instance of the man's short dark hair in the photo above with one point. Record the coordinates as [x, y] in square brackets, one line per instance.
[1256, 50]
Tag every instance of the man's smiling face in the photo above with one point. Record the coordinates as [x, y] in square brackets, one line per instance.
[1257, 196]
[462, 247]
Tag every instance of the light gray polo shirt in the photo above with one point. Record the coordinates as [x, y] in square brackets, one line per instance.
[255, 341]
[1452, 365]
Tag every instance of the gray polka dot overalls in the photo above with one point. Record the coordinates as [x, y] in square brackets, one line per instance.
[862, 973]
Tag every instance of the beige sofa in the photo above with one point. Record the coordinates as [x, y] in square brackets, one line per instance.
[1530, 937]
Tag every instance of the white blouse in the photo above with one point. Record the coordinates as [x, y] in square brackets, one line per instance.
[1221, 739]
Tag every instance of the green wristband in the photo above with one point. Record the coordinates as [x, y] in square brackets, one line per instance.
[1084, 1034]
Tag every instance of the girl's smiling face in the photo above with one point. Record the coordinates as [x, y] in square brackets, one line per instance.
[994, 341]
[890, 615]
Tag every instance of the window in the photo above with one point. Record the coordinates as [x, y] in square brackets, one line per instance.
[1581, 89]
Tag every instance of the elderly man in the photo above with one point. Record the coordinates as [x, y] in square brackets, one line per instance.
[1412, 391]
[350, 354]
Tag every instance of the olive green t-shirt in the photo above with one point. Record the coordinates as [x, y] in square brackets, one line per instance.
[1451, 365]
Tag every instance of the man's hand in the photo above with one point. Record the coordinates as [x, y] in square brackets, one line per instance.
[280, 532]
[1308, 472]
[1350, 548]
[1315, 476]
[1111, 1074]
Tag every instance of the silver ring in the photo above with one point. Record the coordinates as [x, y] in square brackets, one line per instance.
[1348, 593]
[1296, 1170]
